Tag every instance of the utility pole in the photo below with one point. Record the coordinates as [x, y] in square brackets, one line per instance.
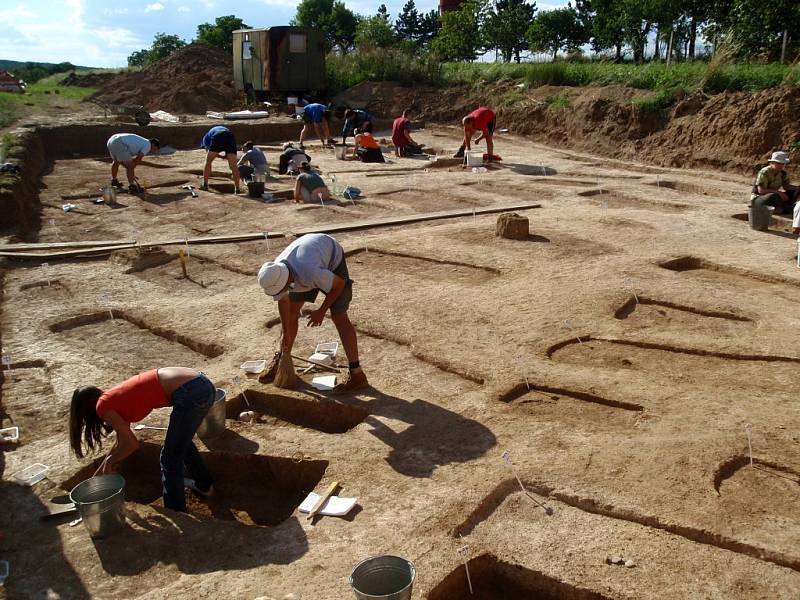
[669, 50]
[783, 48]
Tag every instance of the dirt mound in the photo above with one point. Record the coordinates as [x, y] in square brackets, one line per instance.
[90, 80]
[192, 80]
[730, 131]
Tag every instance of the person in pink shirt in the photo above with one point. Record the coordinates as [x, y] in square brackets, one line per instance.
[95, 413]
[481, 119]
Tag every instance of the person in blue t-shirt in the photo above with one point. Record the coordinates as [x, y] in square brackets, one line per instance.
[217, 141]
[319, 116]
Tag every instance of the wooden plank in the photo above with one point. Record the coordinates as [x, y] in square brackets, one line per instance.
[58, 245]
[100, 250]
[415, 218]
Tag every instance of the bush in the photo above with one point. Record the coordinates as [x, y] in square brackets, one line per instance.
[387, 64]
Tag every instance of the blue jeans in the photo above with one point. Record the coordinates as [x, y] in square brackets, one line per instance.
[190, 403]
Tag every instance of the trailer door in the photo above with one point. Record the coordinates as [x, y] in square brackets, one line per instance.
[297, 62]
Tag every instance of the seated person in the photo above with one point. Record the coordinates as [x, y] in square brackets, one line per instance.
[404, 145]
[291, 158]
[367, 148]
[769, 181]
[354, 119]
[310, 187]
[318, 116]
[217, 141]
[257, 162]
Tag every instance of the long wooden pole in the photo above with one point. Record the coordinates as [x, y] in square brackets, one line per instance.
[783, 48]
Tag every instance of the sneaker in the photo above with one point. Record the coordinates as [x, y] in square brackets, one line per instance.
[301, 146]
[268, 376]
[352, 381]
[331, 142]
[135, 189]
[192, 485]
[116, 184]
[459, 154]
[204, 187]
[236, 190]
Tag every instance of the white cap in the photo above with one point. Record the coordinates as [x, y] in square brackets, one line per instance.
[272, 277]
[780, 157]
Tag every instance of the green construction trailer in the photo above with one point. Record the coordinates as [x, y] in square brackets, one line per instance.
[276, 62]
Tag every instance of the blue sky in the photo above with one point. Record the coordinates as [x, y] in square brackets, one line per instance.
[102, 33]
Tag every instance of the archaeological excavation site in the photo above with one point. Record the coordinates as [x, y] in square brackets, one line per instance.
[580, 374]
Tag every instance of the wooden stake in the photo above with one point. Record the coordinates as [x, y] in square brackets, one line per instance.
[322, 500]
[182, 257]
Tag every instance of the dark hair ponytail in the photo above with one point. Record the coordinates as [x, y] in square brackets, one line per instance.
[85, 422]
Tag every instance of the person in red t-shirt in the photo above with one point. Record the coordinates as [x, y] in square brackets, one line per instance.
[94, 413]
[404, 145]
[481, 119]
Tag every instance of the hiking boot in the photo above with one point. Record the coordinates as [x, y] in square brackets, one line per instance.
[268, 376]
[135, 188]
[352, 381]
[192, 485]
[116, 184]
[460, 153]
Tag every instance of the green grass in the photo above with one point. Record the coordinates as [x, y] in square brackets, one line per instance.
[558, 102]
[5, 145]
[387, 64]
[38, 95]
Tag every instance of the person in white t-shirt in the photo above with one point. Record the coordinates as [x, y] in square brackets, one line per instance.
[128, 150]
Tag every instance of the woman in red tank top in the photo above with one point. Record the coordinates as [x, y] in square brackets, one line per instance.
[95, 413]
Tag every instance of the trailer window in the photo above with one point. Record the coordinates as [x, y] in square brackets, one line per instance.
[247, 50]
[297, 42]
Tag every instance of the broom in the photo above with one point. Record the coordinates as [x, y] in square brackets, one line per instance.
[285, 376]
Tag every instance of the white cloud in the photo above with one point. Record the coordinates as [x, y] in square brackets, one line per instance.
[183, 9]
[156, 6]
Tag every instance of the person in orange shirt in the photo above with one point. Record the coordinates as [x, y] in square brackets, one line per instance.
[367, 148]
[94, 413]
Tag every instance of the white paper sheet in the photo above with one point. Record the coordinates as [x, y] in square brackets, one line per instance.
[334, 507]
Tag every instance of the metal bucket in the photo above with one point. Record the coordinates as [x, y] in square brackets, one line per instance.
[110, 194]
[340, 150]
[759, 217]
[255, 188]
[383, 577]
[213, 423]
[100, 501]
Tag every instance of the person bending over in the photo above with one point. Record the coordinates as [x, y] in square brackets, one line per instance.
[256, 159]
[481, 119]
[318, 116]
[354, 119]
[291, 158]
[314, 262]
[128, 150]
[404, 144]
[95, 413]
[217, 141]
[367, 148]
[310, 187]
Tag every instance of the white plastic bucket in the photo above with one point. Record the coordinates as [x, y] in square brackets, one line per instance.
[298, 110]
[340, 150]
[291, 100]
[473, 158]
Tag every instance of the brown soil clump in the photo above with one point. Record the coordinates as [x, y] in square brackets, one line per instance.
[192, 80]
[512, 226]
[89, 80]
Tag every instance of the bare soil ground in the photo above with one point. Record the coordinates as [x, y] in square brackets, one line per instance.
[617, 355]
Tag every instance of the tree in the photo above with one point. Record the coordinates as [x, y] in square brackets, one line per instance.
[506, 26]
[554, 30]
[163, 45]
[460, 38]
[407, 25]
[757, 27]
[375, 32]
[602, 20]
[336, 21]
[429, 26]
[220, 34]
